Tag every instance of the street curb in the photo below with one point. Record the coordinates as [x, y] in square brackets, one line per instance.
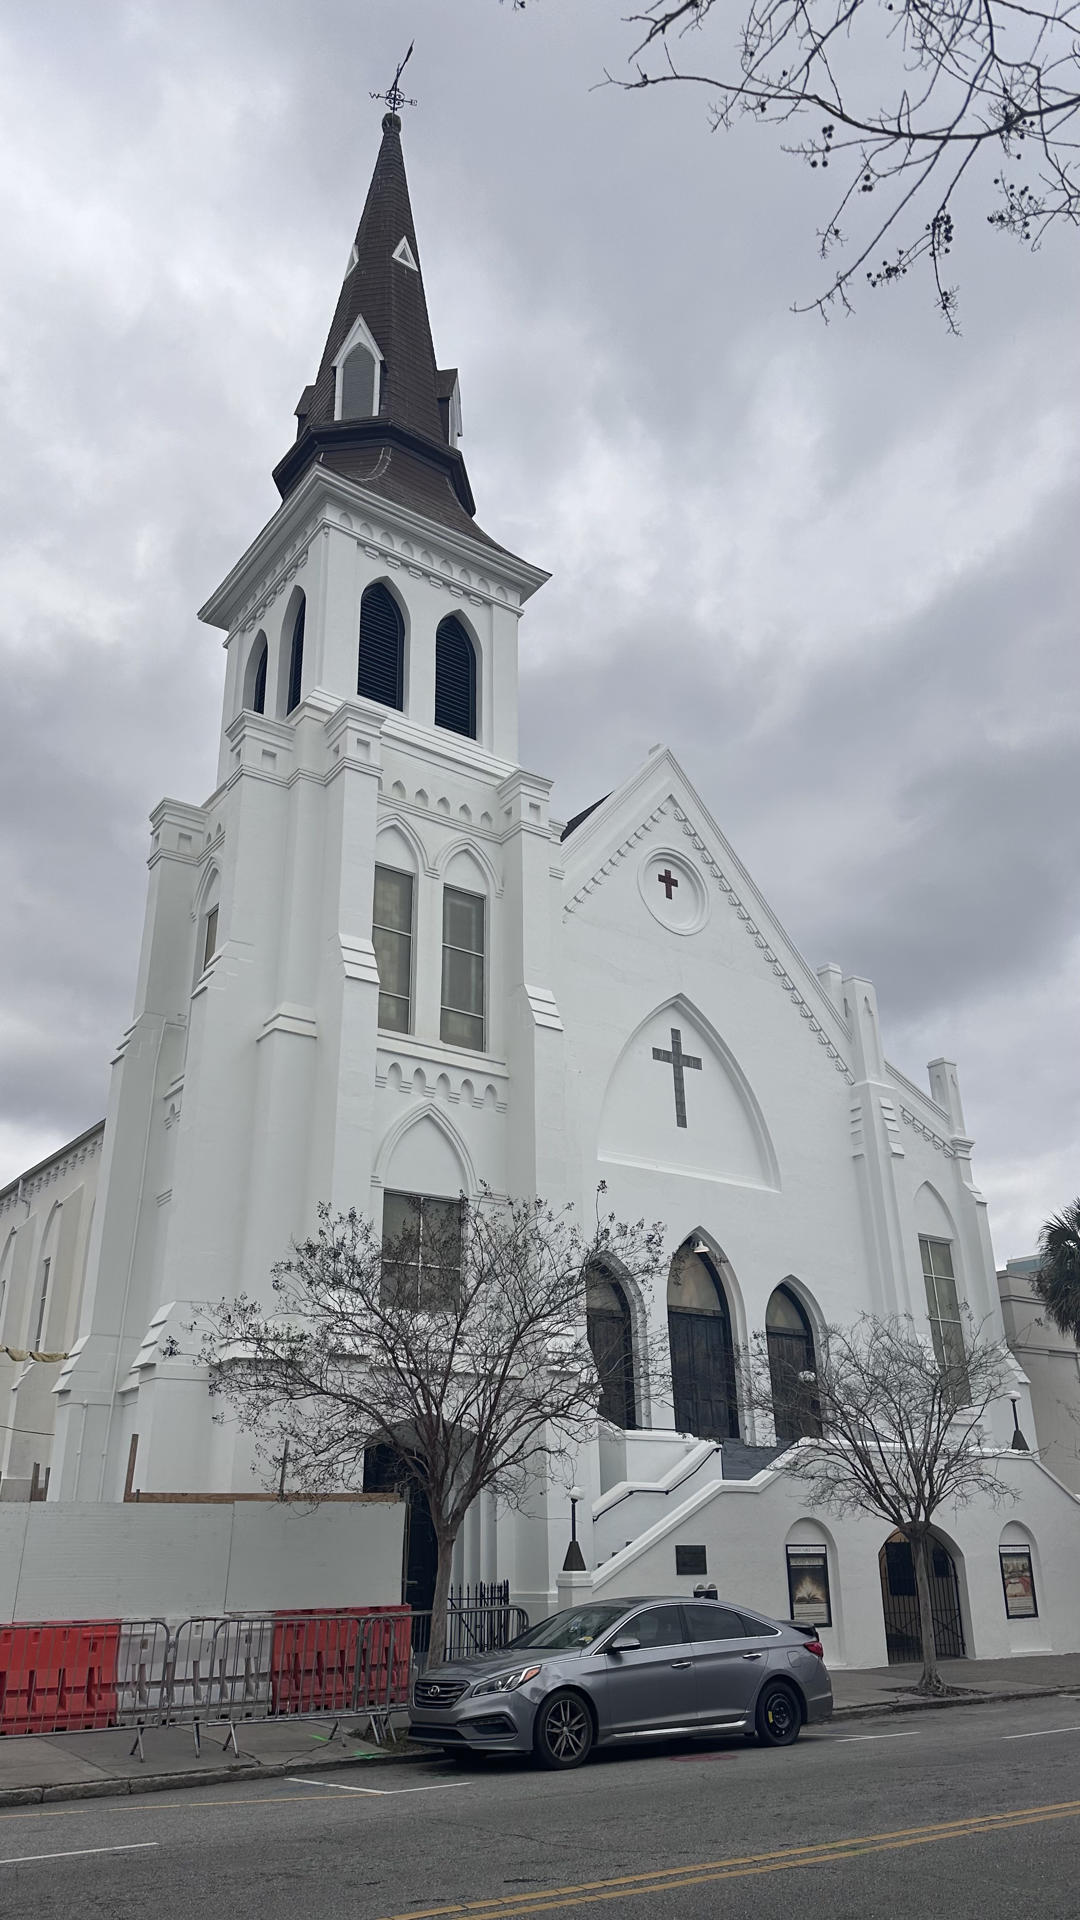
[870, 1708]
[279, 1769]
[206, 1777]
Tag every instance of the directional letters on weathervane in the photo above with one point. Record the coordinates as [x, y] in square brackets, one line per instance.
[677, 1060]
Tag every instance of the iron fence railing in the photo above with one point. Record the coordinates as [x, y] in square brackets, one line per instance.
[222, 1670]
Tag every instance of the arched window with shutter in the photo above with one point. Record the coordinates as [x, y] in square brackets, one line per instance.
[381, 669]
[455, 678]
[296, 658]
[358, 393]
[789, 1339]
[255, 676]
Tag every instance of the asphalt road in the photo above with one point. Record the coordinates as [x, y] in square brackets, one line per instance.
[952, 1814]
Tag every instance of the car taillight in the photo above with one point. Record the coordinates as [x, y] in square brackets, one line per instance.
[815, 1646]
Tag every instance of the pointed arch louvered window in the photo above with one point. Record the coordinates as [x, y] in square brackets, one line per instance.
[255, 690]
[381, 671]
[455, 678]
[296, 658]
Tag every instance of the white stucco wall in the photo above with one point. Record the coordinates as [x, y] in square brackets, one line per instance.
[69, 1561]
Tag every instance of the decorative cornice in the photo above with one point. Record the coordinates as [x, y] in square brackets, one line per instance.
[927, 1133]
[614, 859]
[47, 1172]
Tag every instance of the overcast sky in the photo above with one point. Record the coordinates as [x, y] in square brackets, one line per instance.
[836, 569]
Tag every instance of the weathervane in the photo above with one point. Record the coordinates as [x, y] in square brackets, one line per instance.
[393, 96]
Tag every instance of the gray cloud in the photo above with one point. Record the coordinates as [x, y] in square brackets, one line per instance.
[834, 568]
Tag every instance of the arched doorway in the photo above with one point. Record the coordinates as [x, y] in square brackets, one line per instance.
[789, 1338]
[611, 1338]
[702, 1348]
[385, 1471]
[900, 1601]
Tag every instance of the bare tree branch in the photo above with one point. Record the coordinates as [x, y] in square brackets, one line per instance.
[966, 86]
[900, 1434]
[461, 1344]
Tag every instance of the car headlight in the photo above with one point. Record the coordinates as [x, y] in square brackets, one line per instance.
[506, 1682]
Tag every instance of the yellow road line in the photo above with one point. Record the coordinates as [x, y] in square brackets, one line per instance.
[670, 1879]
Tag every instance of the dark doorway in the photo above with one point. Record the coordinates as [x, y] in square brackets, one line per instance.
[702, 1349]
[792, 1367]
[611, 1339]
[385, 1470]
[900, 1600]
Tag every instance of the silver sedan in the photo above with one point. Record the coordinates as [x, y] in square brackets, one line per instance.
[627, 1670]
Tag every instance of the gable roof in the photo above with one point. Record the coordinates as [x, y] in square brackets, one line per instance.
[660, 791]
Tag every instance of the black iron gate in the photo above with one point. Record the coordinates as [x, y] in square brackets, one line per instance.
[900, 1599]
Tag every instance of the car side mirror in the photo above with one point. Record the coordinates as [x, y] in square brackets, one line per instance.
[623, 1643]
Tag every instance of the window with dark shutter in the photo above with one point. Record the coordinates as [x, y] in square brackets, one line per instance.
[255, 700]
[296, 658]
[455, 678]
[381, 671]
[358, 385]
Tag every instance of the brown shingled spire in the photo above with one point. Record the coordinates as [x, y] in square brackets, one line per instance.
[403, 451]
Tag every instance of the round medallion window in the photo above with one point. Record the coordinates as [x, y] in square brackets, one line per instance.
[674, 892]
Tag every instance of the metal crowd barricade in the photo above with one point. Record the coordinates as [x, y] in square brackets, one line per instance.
[214, 1670]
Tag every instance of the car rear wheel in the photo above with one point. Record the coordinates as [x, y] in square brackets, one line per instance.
[778, 1717]
[563, 1734]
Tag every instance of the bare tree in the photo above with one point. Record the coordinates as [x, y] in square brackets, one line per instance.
[458, 1339]
[901, 1434]
[908, 101]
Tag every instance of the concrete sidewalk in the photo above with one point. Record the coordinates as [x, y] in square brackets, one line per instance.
[72, 1766]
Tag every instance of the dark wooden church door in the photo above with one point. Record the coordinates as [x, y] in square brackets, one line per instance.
[703, 1374]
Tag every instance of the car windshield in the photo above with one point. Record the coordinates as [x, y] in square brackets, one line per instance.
[577, 1627]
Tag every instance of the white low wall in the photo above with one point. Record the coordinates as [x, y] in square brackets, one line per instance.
[68, 1561]
[745, 1526]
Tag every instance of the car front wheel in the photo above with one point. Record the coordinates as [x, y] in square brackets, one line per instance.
[778, 1718]
[563, 1734]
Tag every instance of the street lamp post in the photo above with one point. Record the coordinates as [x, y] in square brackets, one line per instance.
[575, 1559]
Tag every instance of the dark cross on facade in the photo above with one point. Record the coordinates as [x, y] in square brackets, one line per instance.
[677, 1060]
[393, 96]
[668, 881]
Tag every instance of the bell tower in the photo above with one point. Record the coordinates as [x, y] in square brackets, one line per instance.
[346, 984]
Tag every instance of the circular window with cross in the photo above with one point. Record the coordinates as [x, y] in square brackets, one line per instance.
[674, 892]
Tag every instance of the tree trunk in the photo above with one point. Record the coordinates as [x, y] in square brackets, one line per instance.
[930, 1680]
[441, 1597]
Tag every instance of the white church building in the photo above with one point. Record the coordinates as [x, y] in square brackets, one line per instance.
[376, 965]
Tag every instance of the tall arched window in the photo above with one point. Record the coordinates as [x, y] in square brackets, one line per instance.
[455, 678]
[358, 393]
[792, 1367]
[296, 658]
[702, 1349]
[611, 1339]
[381, 669]
[255, 676]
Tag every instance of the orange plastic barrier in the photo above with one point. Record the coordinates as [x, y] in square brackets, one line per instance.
[314, 1663]
[58, 1676]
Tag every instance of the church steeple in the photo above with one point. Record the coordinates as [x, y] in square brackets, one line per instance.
[380, 411]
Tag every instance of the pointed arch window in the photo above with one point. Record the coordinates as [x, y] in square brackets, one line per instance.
[296, 657]
[455, 678]
[464, 916]
[610, 1333]
[358, 399]
[789, 1339]
[255, 676]
[702, 1348]
[381, 667]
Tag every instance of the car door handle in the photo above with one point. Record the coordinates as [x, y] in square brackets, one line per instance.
[751, 1656]
[682, 1663]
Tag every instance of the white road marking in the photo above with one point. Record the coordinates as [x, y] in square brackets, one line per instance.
[1040, 1733]
[77, 1853]
[911, 1735]
[380, 1793]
